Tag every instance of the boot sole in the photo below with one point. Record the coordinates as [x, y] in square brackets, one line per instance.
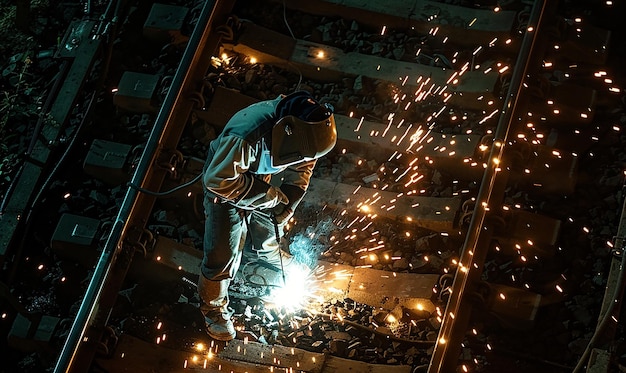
[222, 338]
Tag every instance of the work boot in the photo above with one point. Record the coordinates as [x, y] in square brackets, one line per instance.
[219, 326]
[214, 296]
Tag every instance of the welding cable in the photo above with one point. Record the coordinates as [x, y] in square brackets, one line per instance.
[293, 36]
[226, 31]
[249, 279]
[285, 19]
[57, 80]
[34, 205]
[44, 111]
[167, 192]
[64, 69]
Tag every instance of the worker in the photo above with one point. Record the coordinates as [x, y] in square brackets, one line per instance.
[273, 139]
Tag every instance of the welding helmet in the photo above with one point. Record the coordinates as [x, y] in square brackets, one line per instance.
[304, 130]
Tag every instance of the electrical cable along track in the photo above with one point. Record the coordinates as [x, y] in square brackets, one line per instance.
[443, 229]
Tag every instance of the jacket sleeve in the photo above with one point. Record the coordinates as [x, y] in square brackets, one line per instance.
[295, 182]
[226, 174]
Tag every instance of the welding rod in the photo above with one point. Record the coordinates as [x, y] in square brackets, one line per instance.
[280, 254]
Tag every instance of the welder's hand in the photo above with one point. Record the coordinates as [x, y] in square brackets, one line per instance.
[274, 197]
[282, 214]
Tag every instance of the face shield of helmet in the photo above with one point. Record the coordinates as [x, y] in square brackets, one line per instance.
[295, 140]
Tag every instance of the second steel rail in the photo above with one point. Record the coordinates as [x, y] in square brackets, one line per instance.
[456, 317]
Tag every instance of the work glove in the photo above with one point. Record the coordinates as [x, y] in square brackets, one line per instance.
[282, 213]
[273, 197]
[261, 196]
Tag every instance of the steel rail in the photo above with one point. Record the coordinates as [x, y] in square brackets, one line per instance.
[87, 328]
[455, 320]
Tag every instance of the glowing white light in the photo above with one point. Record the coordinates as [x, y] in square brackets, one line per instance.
[297, 291]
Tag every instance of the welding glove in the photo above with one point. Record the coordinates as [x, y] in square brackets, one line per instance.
[260, 196]
[273, 197]
[283, 212]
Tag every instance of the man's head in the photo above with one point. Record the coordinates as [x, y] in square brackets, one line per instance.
[304, 130]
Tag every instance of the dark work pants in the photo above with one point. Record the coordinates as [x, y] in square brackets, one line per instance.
[226, 236]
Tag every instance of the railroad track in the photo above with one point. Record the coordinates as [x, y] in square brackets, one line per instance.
[439, 223]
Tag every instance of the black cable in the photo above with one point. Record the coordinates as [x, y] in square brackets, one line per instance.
[161, 194]
[294, 38]
[28, 221]
[249, 279]
[34, 205]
